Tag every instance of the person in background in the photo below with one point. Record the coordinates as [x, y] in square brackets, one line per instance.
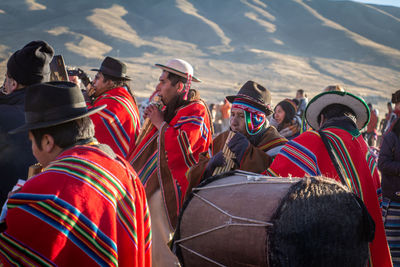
[301, 96]
[331, 88]
[179, 132]
[396, 111]
[213, 111]
[384, 121]
[371, 134]
[335, 148]
[255, 142]
[27, 66]
[389, 166]
[285, 119]
[87, 207]
[225, 109]
[119, 124]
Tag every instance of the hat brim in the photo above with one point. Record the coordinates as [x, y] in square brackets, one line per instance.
[266, 110]
[355, 103]
[177, 72]
[33, 126]
[126, 78]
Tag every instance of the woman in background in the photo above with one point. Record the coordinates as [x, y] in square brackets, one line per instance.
[285, 119]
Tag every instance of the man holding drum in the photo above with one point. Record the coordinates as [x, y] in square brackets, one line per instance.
[335, 148]
[254, 143]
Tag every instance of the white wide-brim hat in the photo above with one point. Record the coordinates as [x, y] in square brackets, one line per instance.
[179, 67]
[321, 101]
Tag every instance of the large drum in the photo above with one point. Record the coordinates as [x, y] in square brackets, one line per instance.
[228, 219]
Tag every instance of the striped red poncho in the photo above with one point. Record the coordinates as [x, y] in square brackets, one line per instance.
[163, 157]
[307, 155]
[118, 124]
[85, 209]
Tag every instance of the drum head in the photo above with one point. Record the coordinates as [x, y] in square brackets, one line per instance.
[226, 218]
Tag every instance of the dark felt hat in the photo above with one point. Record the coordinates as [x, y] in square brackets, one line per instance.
[31, 64]
[114, 68]
[53, 103]
[255, 95]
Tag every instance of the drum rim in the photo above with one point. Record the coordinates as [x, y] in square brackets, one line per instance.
[176, 249]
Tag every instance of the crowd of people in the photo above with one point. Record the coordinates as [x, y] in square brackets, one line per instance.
[112, 180]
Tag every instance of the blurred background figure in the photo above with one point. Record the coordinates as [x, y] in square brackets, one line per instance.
[331, 88]
[225, 109]
[285, 119]
[215, 117]
[301, 96]
[371, 133]
[396, 111]
[385, 120]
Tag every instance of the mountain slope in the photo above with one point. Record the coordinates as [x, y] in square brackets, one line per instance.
[282, 44]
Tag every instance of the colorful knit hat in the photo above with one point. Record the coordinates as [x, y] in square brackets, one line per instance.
[255, 100]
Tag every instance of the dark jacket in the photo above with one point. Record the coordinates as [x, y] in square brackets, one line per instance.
[15, 150]
[389, 165]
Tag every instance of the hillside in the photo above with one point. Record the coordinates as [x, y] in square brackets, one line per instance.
[283, 44]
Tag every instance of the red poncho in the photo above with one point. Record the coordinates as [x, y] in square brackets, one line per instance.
[85, 209]
[118, 124]
[307, 155]
[180, 142]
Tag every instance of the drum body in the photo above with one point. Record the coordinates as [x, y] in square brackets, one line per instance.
[225, 221]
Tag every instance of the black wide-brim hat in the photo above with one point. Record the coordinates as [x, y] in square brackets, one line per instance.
[355, 103]
[256, 95]
[53, 103]
[114, 68]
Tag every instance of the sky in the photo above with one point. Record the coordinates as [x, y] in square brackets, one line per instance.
[381, 2]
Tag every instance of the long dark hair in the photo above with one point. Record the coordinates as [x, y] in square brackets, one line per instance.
[290, 112]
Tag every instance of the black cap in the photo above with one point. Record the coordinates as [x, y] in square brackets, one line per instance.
[31, 64]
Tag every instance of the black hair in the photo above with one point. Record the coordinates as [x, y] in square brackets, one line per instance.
[336, 111]
[118, 82]
[319, 223]
[296, 101]
[290, 113]
[66, 134]
[174, 78]
[301, 91]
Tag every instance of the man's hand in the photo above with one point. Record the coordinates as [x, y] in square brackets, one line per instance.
[238, 145]
[155, 115]
[218, 160]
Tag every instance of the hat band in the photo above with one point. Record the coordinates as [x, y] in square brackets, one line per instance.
[246, 105]
[112, 72]
[57, 113]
